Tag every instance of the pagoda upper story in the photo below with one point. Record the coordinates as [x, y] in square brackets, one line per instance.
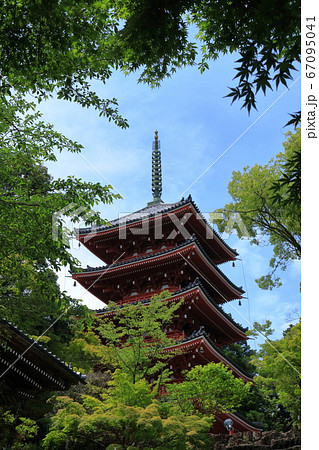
[171, 268]
[161, 246]
[164, 246]
[155, 227]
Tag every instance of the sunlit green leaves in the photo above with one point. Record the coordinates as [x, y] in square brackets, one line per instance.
[30, 200]
[279, 370]
[267, 199]
[135, 337]
[103, 424]
[209, 389]
[56, 48]
[265, 34]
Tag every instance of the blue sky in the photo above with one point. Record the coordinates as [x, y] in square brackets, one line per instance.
[196, 125]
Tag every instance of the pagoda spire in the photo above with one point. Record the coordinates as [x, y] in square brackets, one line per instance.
[156, 172]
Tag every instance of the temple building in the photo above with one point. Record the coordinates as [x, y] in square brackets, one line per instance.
[28, 369]
[170, 246]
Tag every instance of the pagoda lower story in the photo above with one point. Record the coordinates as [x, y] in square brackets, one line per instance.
[170, 247]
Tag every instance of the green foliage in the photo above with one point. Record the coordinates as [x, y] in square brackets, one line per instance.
[29, 198]
[17, 432]
[263, 329]
[123, 390]
[96, 38]
[279, 367]
[127, 417]
[27, 428]
[30, 201]
[56, 47]
[85, 351]
[266, 220]
[209, 389]
[135, 338]
[126, 411]
[6, 421]
[264, 33]
[263, 407]
[290, 179]
[241, 353]
[259, 406]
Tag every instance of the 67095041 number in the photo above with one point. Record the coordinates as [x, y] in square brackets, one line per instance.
[310, 47]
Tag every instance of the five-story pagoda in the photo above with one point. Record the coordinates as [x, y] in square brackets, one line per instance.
[170, 246]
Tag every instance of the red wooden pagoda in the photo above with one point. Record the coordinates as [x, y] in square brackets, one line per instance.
[170, 246]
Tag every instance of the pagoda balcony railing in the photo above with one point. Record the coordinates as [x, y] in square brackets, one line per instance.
[175, 335]
[162, 389]
[145, 297]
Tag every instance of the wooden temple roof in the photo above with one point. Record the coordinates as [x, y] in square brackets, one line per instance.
[240, 423]
[144, 213]
[216, 316]
[206, 351]
[27, 368]
[191, 248]
[202, 227]
[222, 322]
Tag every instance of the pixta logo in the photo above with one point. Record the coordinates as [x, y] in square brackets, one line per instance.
[144, 229]
[63, 230]
[233, 225]
[179, 225]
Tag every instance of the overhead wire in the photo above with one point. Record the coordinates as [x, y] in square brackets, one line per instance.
[238, 312]
[239, 137]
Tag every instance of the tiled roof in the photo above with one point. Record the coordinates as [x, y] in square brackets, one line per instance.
[152, 211]
[193, 239]
[43, 350]
[148, 211]
[195, 284]
[202, 333]
[139, 258]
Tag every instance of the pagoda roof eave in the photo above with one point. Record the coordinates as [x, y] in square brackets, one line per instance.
[193, 289]
[227, 316]
[202, 338]
[23, 350]
[152, 212]
[154, 256]
[136, 217]
[220, 239]
[240, 423]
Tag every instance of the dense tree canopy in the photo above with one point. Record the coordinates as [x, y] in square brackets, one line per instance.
[30, 202]
[57, 46]
[279, 370]
[128, 410]
[208, 390]
[119, 420]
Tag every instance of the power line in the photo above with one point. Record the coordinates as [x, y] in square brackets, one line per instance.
[239, 137]
[250, 324]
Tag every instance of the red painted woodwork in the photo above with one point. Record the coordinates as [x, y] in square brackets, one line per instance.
[169, 247]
